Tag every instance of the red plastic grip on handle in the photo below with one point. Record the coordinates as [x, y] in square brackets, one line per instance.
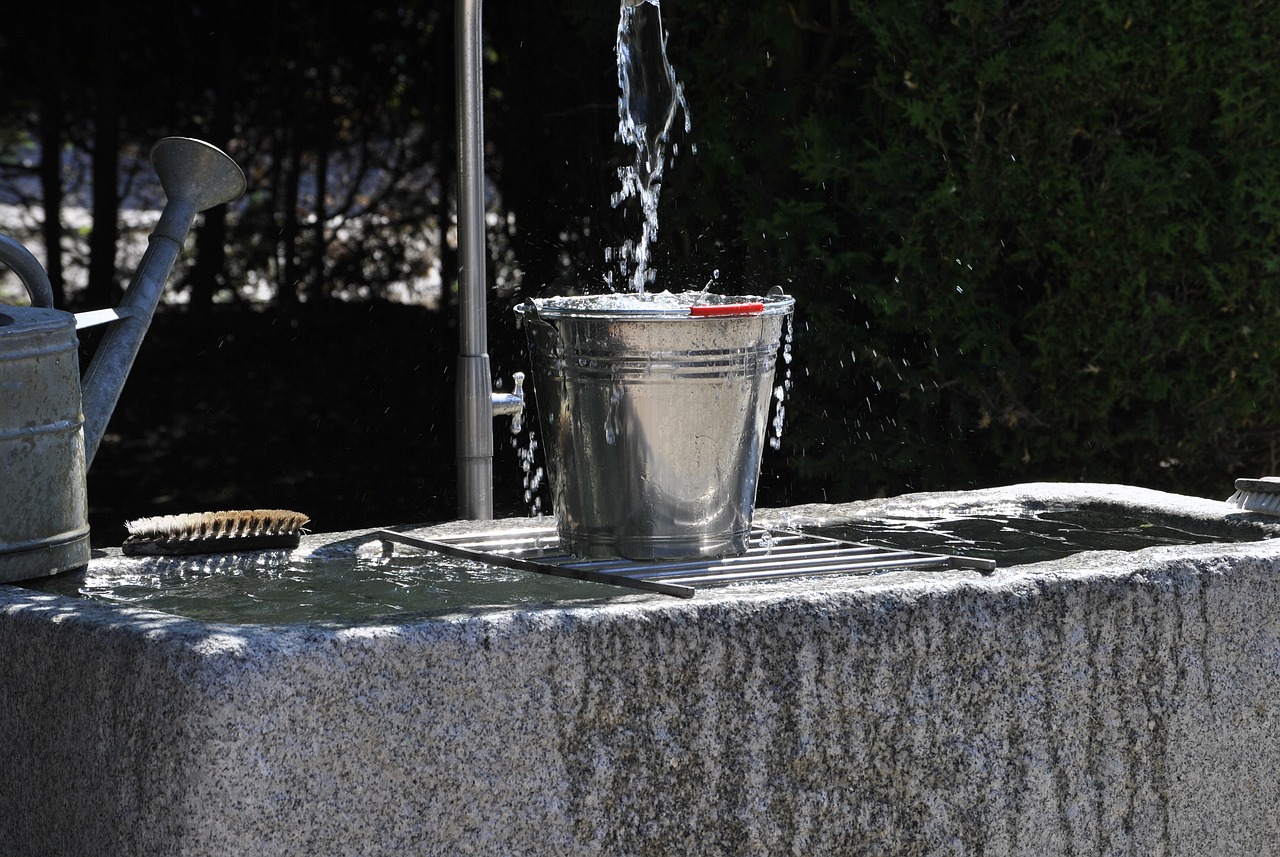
[726, 309]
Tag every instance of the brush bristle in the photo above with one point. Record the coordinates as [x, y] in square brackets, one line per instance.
[1257, 495]
[210, 532]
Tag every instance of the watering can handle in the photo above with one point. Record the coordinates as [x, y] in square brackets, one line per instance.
[33, 277]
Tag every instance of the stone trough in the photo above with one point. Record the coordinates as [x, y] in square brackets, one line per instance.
[1106, 703]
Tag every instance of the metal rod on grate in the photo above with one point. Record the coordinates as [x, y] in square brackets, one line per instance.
[571, 571]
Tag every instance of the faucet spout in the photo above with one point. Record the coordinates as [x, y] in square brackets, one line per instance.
[511, 404]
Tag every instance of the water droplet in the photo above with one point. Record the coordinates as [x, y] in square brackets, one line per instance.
[532, 481]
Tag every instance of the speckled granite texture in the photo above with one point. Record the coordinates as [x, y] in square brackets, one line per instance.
[1105, 704]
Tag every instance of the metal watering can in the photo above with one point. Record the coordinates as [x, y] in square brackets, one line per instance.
[51, 421]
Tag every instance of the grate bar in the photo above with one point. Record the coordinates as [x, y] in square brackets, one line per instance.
[772, 571]
[794, 563]
[772, 555]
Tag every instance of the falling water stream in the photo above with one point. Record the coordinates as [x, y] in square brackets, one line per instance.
[650, 100]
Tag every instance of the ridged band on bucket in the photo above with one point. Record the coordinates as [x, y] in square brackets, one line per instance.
[654, 418]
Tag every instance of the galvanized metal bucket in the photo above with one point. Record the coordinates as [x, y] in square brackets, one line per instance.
[654, 411]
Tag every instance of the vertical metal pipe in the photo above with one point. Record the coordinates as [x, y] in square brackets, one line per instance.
[474, 392]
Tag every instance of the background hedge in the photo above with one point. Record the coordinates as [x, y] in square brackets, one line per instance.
[1030, 240]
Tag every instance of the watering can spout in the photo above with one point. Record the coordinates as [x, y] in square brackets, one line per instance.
[195, 176]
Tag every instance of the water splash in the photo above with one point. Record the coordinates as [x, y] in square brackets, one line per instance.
[649, 102]
[766, 541]
[715, 275]
[781, 391]
[533, 475]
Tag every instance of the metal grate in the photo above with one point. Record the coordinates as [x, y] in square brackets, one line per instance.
[772, 554]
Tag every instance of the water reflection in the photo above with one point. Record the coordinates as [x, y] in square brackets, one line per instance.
[1019, 539]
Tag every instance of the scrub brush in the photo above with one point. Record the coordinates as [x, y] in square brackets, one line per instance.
[214, 532]
[1258, 495]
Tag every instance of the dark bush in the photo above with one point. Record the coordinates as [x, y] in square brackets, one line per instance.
[1029, 240]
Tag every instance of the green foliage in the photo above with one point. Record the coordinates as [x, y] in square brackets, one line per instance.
[1028, 240]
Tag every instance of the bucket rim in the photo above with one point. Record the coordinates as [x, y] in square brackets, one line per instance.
[580, 306]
